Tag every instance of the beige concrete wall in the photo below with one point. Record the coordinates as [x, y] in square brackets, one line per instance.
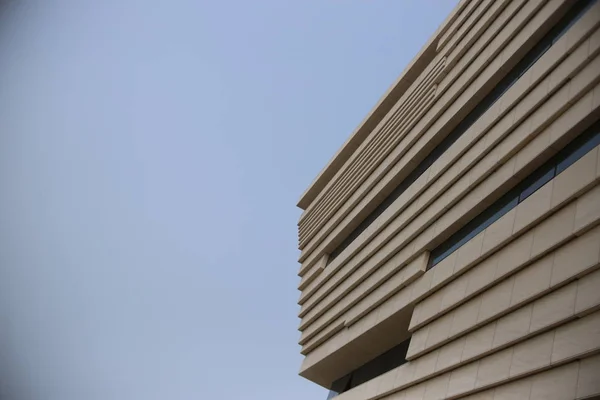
[516, 310]
[383, 106]
[460, 69]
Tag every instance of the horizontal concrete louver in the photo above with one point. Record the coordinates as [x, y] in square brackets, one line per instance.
[460, 64]
[527, 107]
[372, 152]
[514, 306]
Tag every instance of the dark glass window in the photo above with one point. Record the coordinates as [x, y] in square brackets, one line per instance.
[381, 364]
[473, 227]
[579, 8]
[542, 177]
[572, 152]
[578, 152]
[340, 386]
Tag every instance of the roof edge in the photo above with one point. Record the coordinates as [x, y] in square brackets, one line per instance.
[381, 109]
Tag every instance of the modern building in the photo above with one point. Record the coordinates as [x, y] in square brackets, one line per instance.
[451, 247]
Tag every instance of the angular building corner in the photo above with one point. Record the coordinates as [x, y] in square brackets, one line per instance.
[451, 247]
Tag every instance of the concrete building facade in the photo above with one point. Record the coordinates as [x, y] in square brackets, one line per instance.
[451, 247]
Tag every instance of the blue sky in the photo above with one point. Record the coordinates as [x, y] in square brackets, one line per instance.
[152, 153]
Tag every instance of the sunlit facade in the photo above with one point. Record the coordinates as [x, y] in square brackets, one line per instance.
[450, 249]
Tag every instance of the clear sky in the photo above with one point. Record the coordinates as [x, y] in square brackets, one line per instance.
[151, 156]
